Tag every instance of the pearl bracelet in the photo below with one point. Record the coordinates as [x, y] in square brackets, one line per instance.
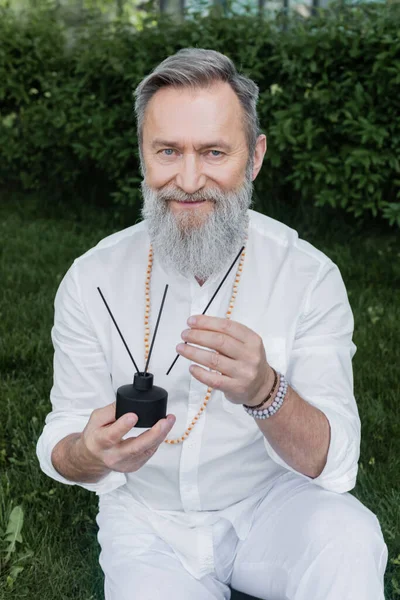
[275, 406]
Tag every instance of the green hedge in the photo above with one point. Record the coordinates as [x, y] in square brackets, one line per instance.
[329, 103]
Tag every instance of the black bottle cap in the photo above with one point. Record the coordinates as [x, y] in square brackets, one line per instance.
[143, 381]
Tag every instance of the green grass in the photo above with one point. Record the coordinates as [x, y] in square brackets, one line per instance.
[38, 244]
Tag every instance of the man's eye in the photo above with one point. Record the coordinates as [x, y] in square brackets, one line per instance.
[216, 153]
[167, 152]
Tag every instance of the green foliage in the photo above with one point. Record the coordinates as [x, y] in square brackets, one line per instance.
[328, 103]
[10, 558]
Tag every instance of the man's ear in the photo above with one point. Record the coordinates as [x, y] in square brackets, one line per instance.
[259, 152]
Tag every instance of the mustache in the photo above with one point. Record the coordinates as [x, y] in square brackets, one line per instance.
[171, 193]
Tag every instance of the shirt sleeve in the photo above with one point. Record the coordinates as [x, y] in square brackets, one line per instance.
[81, 381]
[320, 371]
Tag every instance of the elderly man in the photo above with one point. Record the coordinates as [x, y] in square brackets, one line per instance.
[218, 494]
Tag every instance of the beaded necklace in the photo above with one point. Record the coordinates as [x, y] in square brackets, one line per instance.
[147, 332]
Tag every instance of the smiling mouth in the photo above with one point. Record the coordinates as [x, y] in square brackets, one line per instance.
[197, 203]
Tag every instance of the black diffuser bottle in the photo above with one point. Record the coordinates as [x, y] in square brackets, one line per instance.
[147, 401]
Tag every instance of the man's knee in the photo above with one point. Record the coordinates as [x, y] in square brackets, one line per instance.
[343, 519]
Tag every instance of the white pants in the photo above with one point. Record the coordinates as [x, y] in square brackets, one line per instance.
[306, 543]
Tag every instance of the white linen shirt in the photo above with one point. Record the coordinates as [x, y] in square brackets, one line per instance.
[290, 293]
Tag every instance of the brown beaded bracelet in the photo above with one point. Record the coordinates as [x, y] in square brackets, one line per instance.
[269, 395]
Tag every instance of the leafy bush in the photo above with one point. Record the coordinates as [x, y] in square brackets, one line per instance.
[328, 103]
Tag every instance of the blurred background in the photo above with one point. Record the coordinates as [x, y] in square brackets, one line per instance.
[329, 79]
[134, 11]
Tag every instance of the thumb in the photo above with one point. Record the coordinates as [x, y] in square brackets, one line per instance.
[104, 416]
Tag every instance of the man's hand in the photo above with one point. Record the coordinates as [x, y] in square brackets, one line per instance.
[243, 373]
[102, 444]
[89, 456]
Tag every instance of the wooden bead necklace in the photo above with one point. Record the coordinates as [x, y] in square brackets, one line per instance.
[147, 332]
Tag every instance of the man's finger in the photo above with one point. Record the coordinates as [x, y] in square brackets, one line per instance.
[148, 439]
[104, 415]
[113, 434]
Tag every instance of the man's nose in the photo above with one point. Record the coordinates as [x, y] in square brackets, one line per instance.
[190, 177]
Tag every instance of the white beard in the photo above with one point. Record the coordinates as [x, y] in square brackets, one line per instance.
[193, 244]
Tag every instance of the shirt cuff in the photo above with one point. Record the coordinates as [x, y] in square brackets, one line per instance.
[340, 471]
[53, 433]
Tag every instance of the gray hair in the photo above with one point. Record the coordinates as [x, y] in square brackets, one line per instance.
[196, 68]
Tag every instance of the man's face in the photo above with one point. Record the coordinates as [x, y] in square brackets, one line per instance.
[195, 148]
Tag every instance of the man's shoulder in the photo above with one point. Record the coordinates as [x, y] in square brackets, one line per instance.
[275, 232]
[111, 246]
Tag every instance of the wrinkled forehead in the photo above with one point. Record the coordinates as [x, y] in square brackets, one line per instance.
[195, 117]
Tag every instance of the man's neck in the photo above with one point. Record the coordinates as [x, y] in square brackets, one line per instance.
[200, 281]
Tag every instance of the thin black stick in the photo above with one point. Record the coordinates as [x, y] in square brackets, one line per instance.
[115, 323]
[215, 293]
[155, 331]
